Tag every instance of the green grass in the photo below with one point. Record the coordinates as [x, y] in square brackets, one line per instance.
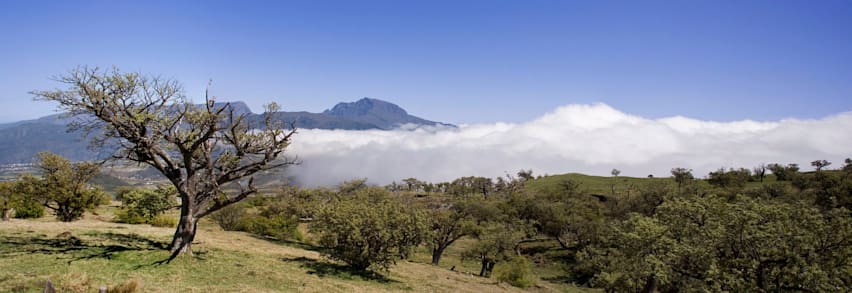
[593, 184]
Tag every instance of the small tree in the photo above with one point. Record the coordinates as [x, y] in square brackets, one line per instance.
[760, 172]
[783, 173]
[496, 242]
[682, 176]
[64, 187]
[819, 164]
[615, 173]
[199, 149]
[369, 229]
[8, 199]
[413, 184]
[847, 168]
[448, 224]
[733, 178]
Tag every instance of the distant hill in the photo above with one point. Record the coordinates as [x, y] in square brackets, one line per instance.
[20, 141]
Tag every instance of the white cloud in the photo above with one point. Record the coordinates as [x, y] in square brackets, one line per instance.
[590, 139]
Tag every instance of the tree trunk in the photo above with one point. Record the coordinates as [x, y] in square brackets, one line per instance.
[487, 267]
[436, 255]
[7, 214]
[490, 268]
[184, 234]
[562, 243]
[651, 285]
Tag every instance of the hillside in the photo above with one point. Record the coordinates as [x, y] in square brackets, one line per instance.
[84, 255]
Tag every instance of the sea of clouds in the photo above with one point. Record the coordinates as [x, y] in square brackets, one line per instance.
[591, 139]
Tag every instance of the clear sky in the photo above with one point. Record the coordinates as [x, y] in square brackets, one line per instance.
[453, 61]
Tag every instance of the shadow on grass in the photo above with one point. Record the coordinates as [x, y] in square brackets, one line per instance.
[288, 242]
[325, 269]
[104, 245]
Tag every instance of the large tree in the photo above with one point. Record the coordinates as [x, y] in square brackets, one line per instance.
[198, 148]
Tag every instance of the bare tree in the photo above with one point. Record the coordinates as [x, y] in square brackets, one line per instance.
[199, 149]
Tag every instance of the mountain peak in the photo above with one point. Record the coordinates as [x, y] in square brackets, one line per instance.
[382, 114]
[366, 106]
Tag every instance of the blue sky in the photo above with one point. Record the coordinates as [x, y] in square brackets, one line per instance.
[453, 61]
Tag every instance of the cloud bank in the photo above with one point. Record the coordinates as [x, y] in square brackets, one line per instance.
[591, 139]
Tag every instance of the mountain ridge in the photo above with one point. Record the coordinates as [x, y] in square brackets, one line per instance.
[21, 140]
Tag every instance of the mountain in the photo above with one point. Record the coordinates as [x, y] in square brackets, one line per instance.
[383, 115]
[20, 141]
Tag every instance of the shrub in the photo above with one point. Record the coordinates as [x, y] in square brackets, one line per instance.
[29, 209]
[163, 221]
[230, 217]
[517, 272]
[123, 215]
[148, 203]
[278, 227]
[369, 229]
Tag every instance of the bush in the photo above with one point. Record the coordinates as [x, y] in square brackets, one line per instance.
[164, 221]
[269, 223]
[123, 215]
[29, 209]
[517, 272]
[369, 229]
[148, 203]
[279, 227]
[229, 217]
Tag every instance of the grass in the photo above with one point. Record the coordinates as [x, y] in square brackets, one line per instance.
[84, 255]
[593, 184]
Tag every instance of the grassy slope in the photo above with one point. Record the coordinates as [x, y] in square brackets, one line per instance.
[99, 253]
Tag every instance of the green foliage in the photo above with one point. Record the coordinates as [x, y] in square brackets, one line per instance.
[143, 205]
[125, 216]
[230, 217]
[517, 272]
[826, 189]
[712, 244]
[271, 221]
[29, 209]
[64, 187]
[496, 242]
[784, 173]
[471, 185]
[449, 222]
[276, 226]
[9, 198]
[733, 178]
[163, 220]
[369, 229]
[682, 176]
[769, 191]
